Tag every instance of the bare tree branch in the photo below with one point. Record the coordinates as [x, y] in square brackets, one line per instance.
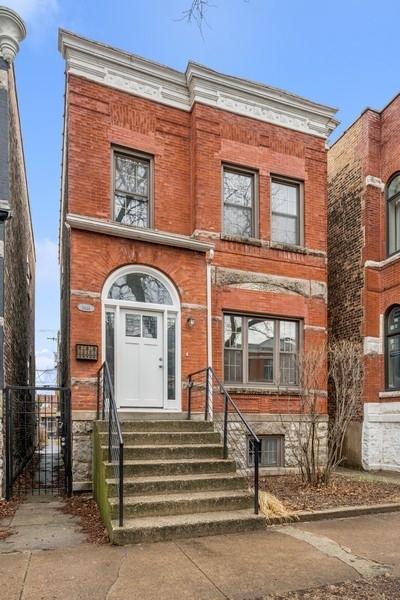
[315, 460]
[197, 13]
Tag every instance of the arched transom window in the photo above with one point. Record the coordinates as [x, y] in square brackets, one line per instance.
[141, 337]
[140, 287]
[393, 214]
[393, 348]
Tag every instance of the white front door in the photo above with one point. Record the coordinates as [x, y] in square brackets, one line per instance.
[140, 364]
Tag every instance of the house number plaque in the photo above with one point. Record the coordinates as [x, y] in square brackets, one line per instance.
[86, 307]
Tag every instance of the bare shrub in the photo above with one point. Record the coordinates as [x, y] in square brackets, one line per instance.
[317, 449]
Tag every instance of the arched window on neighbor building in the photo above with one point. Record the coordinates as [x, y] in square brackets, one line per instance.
[393, 214]
[393, 348]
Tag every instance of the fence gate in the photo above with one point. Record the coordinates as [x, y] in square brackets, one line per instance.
[37, 440]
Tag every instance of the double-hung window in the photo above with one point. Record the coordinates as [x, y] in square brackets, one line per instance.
[260, 350]
[132, 190]
[239, 202]
[286, 211]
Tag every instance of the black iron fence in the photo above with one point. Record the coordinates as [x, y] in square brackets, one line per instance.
[37, 424]
[208, 398]
[107, 411]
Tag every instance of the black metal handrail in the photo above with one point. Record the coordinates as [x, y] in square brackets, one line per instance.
[208, 395]
[107, 410]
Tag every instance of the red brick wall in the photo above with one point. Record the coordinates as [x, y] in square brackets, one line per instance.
[371, 146]
[189, 150]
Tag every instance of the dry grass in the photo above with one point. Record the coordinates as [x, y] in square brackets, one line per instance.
[272, 508]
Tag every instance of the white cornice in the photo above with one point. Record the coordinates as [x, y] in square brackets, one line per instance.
[141, 77]
[12, 32]
[145, 235]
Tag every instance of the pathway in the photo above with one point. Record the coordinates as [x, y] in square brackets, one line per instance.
[245, 566]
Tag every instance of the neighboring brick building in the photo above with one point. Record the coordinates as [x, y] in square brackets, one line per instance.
[17, 252]
[364, 275]
[194, 212]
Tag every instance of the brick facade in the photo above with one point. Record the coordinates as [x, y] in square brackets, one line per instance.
[254, 276]
[364, 282]
[17, 254]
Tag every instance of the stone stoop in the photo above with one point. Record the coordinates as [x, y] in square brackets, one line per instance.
[176, 483]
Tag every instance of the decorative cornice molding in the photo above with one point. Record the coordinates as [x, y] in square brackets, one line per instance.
[133, 74]
[12, 32]
[151, 236]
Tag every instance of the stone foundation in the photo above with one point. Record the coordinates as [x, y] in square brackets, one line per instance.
[381, 436]
[82, 454]
[263, 424]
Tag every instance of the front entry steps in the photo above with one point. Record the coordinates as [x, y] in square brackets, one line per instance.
[176, 483]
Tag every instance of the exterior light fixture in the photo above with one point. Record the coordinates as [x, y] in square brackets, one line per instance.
[190, 322]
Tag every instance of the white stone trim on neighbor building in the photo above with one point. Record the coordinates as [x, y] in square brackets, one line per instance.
[381, 436]
[374, 182]
[133, 74]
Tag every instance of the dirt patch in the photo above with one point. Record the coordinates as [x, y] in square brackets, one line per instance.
[379, 588]
[85, 508]
[341, 491]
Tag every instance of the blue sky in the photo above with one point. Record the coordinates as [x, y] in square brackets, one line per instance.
[343, 53]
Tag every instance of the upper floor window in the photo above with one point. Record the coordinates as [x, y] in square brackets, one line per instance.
[393, 349]
[239, 202]
[285, 211]
[393, 214]
[260, 350]
[131, 190]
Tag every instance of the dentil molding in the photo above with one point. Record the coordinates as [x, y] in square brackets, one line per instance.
[133, 74]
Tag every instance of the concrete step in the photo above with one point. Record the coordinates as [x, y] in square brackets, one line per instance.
[161, 425]
[164, 438]
[156, 529]
[170, 452]
[177, 483]
[143, 468]
[179, 504]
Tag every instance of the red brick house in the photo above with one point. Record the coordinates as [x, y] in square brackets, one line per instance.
[193, 233]
[364, 275]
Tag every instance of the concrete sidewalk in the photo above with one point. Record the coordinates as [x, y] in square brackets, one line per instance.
[237, 566]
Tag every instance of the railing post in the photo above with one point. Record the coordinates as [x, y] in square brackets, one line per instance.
[9, 446]
[225, 426]
[190, 385]
[68, 437]
[207, 393]
[98, 395]
[257, 445]
[121, 484]
[103, 389]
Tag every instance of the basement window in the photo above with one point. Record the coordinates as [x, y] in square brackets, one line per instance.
[271, 453]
